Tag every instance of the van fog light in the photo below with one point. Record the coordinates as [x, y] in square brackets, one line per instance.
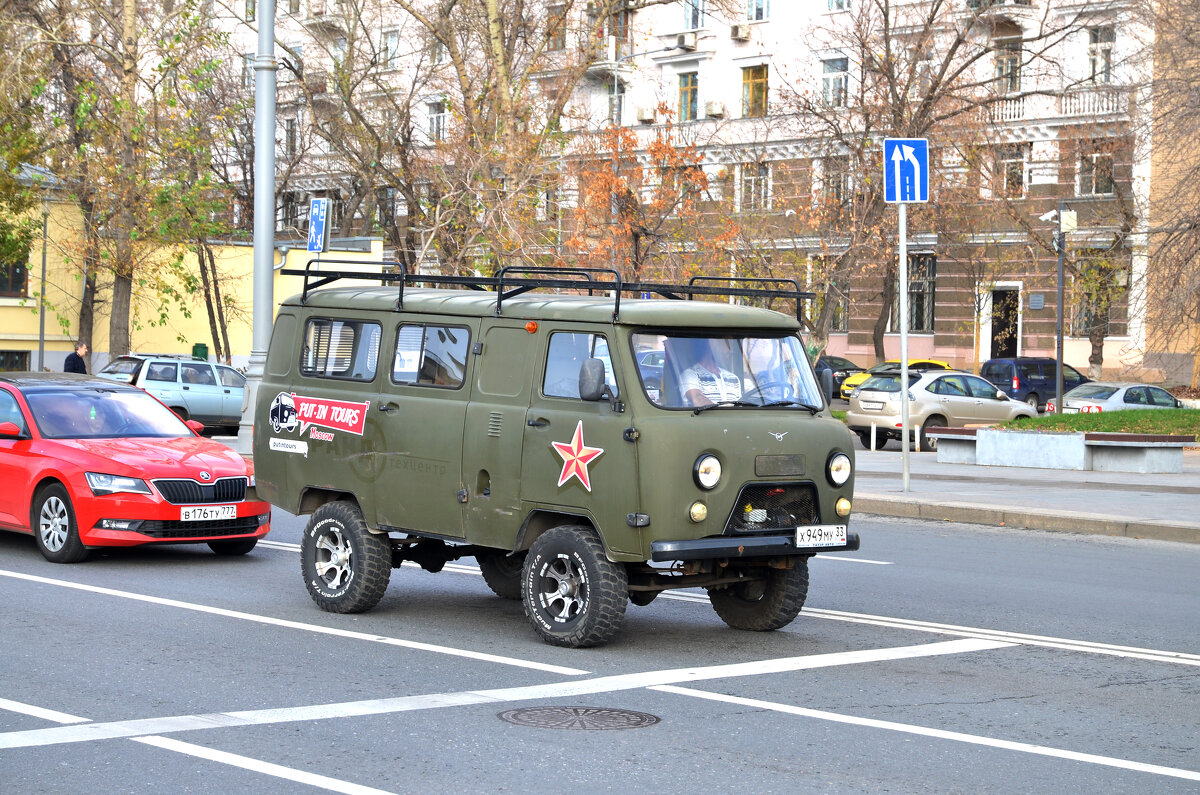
[842, 506]
[698, 512]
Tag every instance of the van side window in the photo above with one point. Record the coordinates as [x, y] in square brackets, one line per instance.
[346, 349]
[431, 355]
[566, 355]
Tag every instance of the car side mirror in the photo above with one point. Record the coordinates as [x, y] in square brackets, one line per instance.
[10, 430]
[198, 427]
[591, 379]
[1000, 395]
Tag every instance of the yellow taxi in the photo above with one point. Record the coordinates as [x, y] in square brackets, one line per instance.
[853, 381]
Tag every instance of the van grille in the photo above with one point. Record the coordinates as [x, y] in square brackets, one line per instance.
[771, 506]
[191, 492]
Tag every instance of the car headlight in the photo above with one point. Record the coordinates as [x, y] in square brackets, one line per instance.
[102, 484]
[838, 469]
[707, 472]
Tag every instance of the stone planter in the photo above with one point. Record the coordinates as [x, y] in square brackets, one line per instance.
[1101, 452]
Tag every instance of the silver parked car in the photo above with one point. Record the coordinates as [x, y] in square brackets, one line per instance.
[937, 399]
[195, 390]
[1100, 396]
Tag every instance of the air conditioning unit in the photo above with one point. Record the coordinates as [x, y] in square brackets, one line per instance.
[714, 110]
[686, 41]
[645, 115]
[739, 32]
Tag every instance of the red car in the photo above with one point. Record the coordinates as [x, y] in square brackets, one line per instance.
[88, 462]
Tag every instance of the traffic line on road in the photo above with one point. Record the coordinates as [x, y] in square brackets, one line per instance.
[573, 688]
[39, 712]
[974, 739]
[316, 628]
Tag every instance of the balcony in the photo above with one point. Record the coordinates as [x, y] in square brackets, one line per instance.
[1094, 101]
[1007, 110]
[325, 15]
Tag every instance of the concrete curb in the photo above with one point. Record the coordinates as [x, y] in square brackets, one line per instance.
[1043, 519]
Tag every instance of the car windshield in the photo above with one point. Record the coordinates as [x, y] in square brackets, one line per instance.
[730, 370]
[889, 382]
[102, 414]
[1092, 392]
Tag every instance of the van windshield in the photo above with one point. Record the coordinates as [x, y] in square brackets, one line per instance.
[733, 369]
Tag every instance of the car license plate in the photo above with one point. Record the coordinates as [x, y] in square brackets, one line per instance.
[871, 405]
[207, 513]
[821, 535]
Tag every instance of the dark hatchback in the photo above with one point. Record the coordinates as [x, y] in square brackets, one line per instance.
[1030, 378]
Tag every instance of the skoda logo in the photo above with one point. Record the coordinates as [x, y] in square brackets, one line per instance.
[205, 476]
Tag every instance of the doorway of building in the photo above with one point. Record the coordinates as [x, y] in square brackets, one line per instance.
[1005, 328]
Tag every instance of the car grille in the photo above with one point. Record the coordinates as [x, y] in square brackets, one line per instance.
[770, 506]
[157, 528]
[191, 492]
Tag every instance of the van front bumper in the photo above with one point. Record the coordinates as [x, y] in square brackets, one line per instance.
[740, 547]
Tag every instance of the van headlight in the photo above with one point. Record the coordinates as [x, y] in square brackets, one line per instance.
[838, 469]
[707, 472]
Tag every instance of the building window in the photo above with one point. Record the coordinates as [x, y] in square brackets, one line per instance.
[1010, 172]
[755, 187]
[437, 120]
[293, 6]
[839, 5]
[754, 91]
[835, 186]
[922, 291]
[616, 102]
[438, 52]
[391, 49]
[693, 14]
[14, 361]
[251, 10]
[1008, 64]
[556, 28]
[289, 211]
[385, 203]
[689, 84]
[1100, 53]
[833, 82]
[248, 61]
[290, 137]
[14, 278]
[1095, 173]
[758, 10]
[292, 66]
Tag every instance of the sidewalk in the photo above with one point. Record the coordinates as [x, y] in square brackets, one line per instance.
[1165, 507]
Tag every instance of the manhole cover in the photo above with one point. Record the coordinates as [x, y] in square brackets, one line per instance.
[578, 718]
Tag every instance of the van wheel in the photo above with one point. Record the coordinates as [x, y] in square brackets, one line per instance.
[880, 440]
[345, 566]
[1032, 400]
[502, 573]
[54, 526]
[930, 445]
[766, 603]
[574, 596]
[237, 546]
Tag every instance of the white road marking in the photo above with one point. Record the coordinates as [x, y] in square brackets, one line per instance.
[279, 622]
[974, 739]
[39, 712]
[259, 766]
[575, 687]
[854, 560]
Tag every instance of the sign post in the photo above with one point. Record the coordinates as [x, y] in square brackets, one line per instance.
[905, 180]
[318, 230]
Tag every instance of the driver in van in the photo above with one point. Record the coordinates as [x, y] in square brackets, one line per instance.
[706, 382]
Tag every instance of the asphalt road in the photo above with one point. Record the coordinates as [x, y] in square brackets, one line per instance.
[944, 658]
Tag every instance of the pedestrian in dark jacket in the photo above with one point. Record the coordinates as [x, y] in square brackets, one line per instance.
[75, 363]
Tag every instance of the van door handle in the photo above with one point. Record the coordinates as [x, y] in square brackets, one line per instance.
[388, 408]
[540, 422]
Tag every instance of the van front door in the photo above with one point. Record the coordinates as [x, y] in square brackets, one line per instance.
[421, 413]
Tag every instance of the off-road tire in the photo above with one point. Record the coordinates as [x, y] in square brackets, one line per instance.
[502, 573]
[345, 566]
[52, 519]
[865, 438]
[573, 595]
[234, 546]
[763, 604]
[930, 445]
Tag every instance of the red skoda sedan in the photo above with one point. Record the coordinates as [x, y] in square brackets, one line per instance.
[88, 462]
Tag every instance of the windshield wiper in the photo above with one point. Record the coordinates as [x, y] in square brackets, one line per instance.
[724, 404]
[811, 409]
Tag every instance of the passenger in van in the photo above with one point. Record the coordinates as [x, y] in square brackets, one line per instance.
[706, 382]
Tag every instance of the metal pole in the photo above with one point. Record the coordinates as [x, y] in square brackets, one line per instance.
[42, 296]
[904, 421]
[1058, 324]
[264, 215]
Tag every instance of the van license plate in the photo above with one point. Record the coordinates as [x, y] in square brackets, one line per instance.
[821, 535]
[207, 513]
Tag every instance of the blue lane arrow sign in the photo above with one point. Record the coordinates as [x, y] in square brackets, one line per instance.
[316, 224]
[905, 170]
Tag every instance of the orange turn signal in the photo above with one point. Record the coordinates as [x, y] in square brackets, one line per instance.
[531, 327]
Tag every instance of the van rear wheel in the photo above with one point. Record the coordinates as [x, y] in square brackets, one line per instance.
[763, 603]
[345, 566]
[573, 595]
[502, 573]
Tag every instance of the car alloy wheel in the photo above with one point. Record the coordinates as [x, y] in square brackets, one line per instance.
[55, 530]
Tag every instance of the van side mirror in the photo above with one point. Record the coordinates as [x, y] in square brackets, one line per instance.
[591, 379]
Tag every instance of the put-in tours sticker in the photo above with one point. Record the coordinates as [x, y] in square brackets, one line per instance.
[289, 411]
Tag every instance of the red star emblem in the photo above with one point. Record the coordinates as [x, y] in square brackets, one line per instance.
[576, 456]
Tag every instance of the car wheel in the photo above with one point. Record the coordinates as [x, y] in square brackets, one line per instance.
[574, 596]
[930, 445]
[181, 412]
[54, 526]
[345, 566]
[880, 440]
[237, 546]
[1032, 400]
[763, 603]
[502, 573]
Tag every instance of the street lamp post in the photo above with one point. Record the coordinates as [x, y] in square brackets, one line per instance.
[1067, 221]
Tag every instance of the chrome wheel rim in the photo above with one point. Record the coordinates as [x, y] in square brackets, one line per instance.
[53, 524]
[563, 588]
[334, 559]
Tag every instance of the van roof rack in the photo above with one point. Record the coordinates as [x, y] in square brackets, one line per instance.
[515, 280]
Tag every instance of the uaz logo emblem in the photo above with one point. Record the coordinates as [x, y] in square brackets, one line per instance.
[779, 436]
